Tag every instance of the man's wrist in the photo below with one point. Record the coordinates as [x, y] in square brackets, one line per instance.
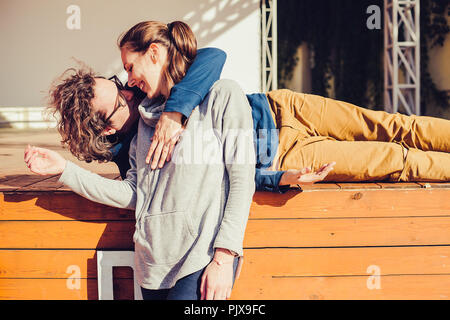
[283, 181]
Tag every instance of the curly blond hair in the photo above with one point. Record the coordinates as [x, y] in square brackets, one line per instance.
[80, 127]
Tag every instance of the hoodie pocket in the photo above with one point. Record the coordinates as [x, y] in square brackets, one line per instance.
[167, 237]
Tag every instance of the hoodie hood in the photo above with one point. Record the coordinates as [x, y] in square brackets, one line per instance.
[150, 110]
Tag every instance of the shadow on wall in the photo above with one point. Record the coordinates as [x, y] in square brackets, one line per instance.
[56, 35]
[212, 18]
[208, 20]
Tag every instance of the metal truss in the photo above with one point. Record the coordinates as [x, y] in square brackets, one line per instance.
[269, 57]
[402, 56]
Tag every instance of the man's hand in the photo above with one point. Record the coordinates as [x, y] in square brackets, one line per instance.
[167, 132]
[305, 176]
[43, 161]
[217, 279]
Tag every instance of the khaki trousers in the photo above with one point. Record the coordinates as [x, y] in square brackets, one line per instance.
[367, 145]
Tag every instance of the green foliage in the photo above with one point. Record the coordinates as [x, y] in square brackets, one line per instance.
[344, 49]
[433, 29]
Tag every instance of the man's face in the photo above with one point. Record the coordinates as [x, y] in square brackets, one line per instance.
[121, 106]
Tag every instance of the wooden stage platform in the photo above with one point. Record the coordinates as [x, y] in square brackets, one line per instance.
[328, 241]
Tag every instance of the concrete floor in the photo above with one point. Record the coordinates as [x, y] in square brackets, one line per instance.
[14, 141]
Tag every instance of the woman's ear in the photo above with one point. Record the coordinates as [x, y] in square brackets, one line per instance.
[108, 131]
[153, 52]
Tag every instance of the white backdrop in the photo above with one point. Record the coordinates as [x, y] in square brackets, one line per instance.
[40, 37]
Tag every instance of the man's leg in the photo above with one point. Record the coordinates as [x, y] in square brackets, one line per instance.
[369, 161]
[426, 166]
[343, 121]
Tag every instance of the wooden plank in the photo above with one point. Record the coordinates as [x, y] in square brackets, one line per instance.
[434, 185]
[320, 186]
[49, 184]
[47, 289]
[256, 288]
[123, 288]
[67, 235]
[323, 204]
[358, 185]
[347, 232]
[319, 262]
[283, 233]
[346, 203]
[408, 287]
[399, 185]
[47, 263]
[56, 206]
[58, 289]
[21, 181]
[53, 264]
[4, 178]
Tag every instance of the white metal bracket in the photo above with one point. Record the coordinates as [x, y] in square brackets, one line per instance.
[269, 47]
[106, 260]
[402, 56]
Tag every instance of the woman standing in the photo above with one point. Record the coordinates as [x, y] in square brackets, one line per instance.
[187, 232]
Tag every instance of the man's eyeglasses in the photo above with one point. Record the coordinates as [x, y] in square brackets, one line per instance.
[118, 103]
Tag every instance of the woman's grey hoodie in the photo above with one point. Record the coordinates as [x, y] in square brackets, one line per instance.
[198, 201]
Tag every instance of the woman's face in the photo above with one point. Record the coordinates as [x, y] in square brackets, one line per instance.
[145, 70]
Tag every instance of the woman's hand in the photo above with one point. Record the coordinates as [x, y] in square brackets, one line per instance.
[305, 176]
[217, 280]
[167, 132]
[43, 161]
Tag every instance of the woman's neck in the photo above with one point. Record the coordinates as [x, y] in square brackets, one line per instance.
[167, 87]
